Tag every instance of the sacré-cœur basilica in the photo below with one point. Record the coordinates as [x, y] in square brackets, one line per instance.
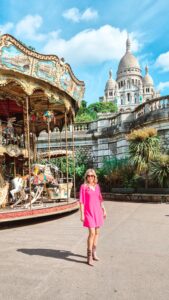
[130, 88]
[139, 105]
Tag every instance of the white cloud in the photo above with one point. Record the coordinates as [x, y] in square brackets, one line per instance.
[163, 61]
[92, 45]
[6, 28]
[163, 85]
[28, 28]
[89, 14]
[72, 14]
[75, 15]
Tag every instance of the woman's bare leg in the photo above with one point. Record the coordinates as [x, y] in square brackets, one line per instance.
[95, 241]
[97, 231]
[91, 237]
[90, 241]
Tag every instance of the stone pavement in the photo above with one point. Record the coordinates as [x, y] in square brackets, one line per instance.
[47, 260]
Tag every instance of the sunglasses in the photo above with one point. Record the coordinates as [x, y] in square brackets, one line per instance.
[90, 175]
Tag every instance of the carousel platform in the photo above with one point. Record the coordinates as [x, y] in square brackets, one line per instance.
[37, 211]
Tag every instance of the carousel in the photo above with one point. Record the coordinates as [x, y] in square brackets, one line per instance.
[37, 93]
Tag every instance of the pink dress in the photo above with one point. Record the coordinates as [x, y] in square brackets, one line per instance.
[93, 213]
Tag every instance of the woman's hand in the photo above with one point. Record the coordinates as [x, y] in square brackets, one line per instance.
[82, 218]
[104, 213]
[81, 212]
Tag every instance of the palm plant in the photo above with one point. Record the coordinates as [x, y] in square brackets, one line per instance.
[144, 147]
[112, 172]
[159, 170]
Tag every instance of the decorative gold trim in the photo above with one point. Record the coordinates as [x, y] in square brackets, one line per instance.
[6, 38]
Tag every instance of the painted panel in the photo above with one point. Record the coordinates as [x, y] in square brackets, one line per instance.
[13, 58]
[46, 70]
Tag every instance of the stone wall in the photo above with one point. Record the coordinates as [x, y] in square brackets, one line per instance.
[107, 136]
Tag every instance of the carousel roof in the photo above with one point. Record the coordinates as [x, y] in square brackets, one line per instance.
[13, 151]
[46, 80]
[54, 153]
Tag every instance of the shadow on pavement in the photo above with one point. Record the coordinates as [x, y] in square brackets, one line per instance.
[60, 254]
[32, 221]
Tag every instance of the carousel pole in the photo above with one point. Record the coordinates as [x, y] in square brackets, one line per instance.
[61, 151]
[34, 147]
[28, 146]
[67, 166]
[74, 163]
[14, 166]
[48, 139]
[37, 156]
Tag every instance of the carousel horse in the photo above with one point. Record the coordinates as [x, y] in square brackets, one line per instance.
[21, 192]
[38, 182]
[17, 183]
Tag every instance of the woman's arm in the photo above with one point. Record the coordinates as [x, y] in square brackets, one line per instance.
[102, 204]
[104, 210]
[82, 212]
[81, 202]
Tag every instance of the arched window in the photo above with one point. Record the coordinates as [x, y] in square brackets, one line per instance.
[128, 97]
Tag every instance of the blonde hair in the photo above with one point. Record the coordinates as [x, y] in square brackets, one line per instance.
[92, 171]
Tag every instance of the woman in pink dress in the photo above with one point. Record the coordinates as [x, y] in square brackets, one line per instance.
[92, 212]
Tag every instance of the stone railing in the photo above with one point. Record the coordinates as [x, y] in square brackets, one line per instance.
[124, 121]
[81, 126]
[152, 105]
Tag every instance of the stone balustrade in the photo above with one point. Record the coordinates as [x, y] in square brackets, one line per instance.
[81, 126]
[107, 136]
[151, 105]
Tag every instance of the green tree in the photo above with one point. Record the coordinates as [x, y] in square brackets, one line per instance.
[102, 107]
[159, 170]
[144, 146]
[83, 161]
[116, 173]
[89, 113]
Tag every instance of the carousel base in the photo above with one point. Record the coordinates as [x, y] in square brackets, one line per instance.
[37, 211]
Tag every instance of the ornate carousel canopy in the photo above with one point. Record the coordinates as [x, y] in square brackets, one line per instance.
[48, 84]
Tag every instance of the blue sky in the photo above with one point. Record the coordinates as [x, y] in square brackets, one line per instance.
[91, 35]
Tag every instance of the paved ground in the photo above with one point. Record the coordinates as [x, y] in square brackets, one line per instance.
[47, 260]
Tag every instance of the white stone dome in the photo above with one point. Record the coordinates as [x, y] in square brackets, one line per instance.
[147, 80]
[128, 61]
[111, 83]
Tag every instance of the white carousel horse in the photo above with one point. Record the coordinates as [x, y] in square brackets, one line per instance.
[17, 183]
[19, 188]
[4, 194]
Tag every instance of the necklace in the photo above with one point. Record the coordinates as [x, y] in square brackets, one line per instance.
[92, 187]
